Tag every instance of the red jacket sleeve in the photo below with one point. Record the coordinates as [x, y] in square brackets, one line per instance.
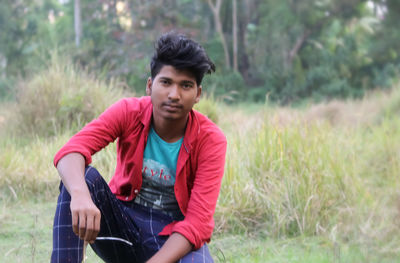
[97, 134]
[198, 224]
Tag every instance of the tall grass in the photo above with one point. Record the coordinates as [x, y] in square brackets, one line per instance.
[27, 171]
[314, 176]
[320, 171]
[208, 106]
[50, 107]
[62, 97]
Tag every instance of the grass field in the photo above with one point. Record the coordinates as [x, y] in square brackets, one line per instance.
[316, 184]
[25, 236]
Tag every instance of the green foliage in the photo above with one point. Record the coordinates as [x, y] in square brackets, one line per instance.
[216, 52]
[387, 76]
[22, 29]
[227, 85]
[6, 90]
[287, 50]
[332, 58]
[257, 94]
[391, 109]
[62, 97]
[208, 106]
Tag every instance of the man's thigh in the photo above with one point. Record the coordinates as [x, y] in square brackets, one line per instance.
[118, 238]
[151, 222]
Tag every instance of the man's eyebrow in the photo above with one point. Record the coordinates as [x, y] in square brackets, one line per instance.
[187, 82]
[165, 78]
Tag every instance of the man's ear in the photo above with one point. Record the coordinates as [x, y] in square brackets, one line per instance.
[148, 86]
[199, 89]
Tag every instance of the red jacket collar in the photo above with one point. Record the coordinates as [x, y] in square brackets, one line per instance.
[192, 126]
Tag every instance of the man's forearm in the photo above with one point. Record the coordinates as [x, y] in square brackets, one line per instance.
[85, 215]
[173, 249]
[72, 169]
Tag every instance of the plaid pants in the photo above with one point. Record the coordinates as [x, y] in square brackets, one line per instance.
[128, 231]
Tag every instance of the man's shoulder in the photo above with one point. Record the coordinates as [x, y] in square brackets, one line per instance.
[132, 106]
[129, 111]
[135, 103]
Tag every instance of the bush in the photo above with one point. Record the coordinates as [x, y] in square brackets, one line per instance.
[288, 181]
[387, 76]
[227, 85]
[6, 92]
[391, 109]
[61, 97]
[208, 106]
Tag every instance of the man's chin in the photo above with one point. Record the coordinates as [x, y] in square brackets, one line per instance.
[175, 116]
[171, 116]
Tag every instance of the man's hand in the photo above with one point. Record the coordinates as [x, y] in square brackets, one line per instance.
[85, 217]
[173, 249]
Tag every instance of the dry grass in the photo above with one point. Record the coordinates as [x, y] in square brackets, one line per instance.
[63, 97]
[329, 170]
[369, 110]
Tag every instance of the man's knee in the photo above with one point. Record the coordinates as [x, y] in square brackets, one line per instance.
[97, 186]
[200, 255]
[94, 181]
[92, 176]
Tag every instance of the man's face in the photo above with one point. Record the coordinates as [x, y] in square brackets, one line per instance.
[173, 93]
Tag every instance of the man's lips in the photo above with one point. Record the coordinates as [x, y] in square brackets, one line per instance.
[172, 106]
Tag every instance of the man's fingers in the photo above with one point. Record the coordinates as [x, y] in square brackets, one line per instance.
[82, 225]
[85, 218]
[75, 219]
[97, 223]
[96, 229]
[89, 228]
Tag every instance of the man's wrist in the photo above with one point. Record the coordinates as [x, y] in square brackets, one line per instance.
[79, 193]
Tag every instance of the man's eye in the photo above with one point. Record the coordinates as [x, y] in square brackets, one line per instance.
[187, 86]
[165, 82]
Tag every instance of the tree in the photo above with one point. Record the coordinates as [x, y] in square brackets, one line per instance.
[288, 49]
[78, 23]
[215, 8]
[234, 36]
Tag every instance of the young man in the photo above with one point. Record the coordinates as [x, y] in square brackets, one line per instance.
[159, 205]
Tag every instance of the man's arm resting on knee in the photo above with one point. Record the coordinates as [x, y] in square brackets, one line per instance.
[173, 249]
[85, 215]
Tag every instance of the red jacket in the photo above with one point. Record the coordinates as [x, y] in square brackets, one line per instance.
[199, 170]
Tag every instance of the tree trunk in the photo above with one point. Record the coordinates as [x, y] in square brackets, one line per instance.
[235, 36]
[246, 7]
[78, 24]
[218, 28]
[299, 43]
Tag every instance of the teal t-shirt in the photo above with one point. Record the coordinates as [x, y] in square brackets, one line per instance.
[158, 173]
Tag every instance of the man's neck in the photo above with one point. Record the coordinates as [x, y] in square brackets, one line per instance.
[169, 130]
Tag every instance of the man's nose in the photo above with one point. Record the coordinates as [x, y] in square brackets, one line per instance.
[174, 92]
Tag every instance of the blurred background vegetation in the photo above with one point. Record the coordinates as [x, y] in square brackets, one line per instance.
[284, 51]
[317, 182]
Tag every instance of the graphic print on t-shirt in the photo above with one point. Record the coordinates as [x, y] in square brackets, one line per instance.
[158, 178]
[158, 174]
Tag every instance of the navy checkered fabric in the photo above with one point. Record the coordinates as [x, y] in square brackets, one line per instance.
[128, 231]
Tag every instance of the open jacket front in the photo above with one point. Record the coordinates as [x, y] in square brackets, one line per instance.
[200, 165]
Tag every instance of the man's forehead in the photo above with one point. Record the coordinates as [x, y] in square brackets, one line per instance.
[170, 72]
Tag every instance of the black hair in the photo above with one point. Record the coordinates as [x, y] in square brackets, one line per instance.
[183, 54]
